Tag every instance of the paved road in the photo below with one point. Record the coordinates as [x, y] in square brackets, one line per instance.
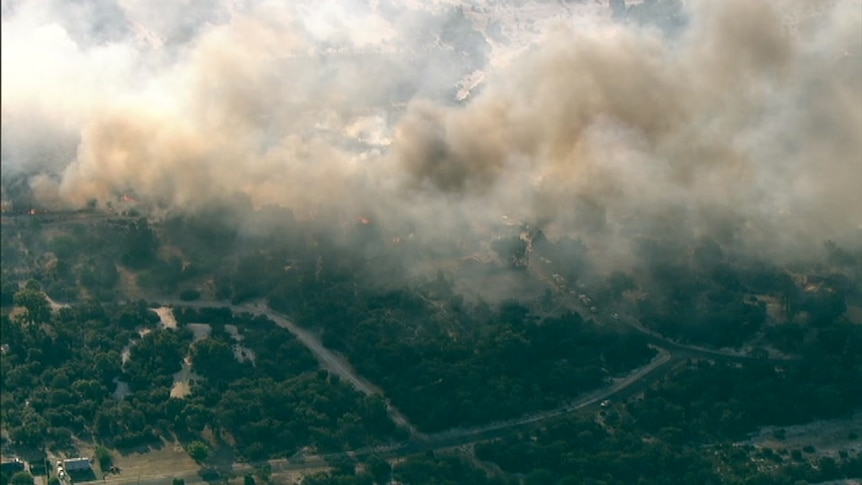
[445, 439]
[669, 353]
[661, 360]
[338, 365]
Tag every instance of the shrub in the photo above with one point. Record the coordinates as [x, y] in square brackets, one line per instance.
[103, 456]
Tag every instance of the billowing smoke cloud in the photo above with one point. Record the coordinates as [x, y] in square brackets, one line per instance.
[740, 119]
[743, 125]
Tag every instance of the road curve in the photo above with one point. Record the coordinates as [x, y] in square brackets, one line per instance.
[444, 439]
[668, 353]
[339, 366]
[664, 357]
[328, 359]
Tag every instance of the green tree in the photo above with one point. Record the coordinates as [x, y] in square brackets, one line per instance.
[34, 301]
[213, 359]
[248, 479]
[104, 457]
[141, 245]
[32, 429]
[264, 471]
[379, 468]
[539, 477]
[22, 478]
[178, 481]
[198, 450]
[342, 464]
[7, 293]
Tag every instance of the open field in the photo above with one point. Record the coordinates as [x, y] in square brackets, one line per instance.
[169, 458]
[827, 437]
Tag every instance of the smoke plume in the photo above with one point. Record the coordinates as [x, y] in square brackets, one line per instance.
[744, 125]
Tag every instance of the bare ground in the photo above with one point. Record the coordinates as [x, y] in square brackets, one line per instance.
[827, 437]
[166, 315]
[128, 284]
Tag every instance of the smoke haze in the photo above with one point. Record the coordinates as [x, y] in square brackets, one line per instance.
[744, 126]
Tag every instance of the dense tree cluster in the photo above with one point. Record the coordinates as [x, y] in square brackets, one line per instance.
[83, 260]
[575, 451]
[506, 365]
[61, 377]
[717, 400]
[682, 430]
[708, 295]
[423, 341]
[477, 364]
[64, 373]
[276, 418]
[706, 309]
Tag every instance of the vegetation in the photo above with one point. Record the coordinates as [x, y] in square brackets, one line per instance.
[198, 450]
[21, 478]
[476, 362]
[579, 451]
[709, 401]
[103, 456]
[720, 299]
[257, 389]
[59, 381]
[661, 438]
[500, 364]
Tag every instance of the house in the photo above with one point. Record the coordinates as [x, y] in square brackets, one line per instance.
[11, 466]
[76, 464]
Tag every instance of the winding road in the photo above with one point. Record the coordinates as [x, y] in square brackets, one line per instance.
[435, 441]
[339, 366]
[669, 353]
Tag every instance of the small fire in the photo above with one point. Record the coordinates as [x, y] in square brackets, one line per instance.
[364, 220]
[32, 212]
[128, 198]
[396, 240]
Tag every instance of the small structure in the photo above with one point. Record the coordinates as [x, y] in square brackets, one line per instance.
[76, 464]
[11, 466]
